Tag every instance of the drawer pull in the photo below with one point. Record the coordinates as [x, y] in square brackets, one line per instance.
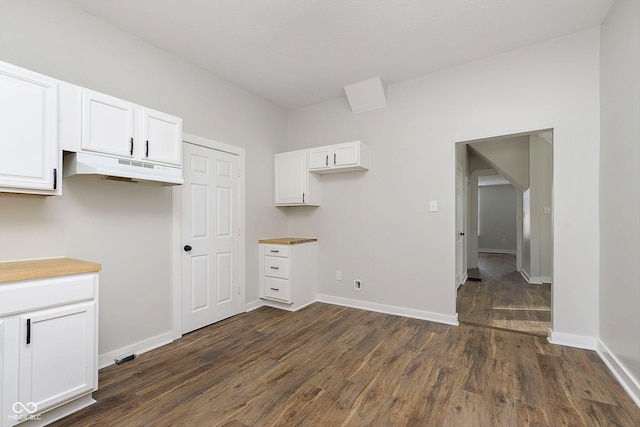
[274, 251]
[275, 268]
[274, 289]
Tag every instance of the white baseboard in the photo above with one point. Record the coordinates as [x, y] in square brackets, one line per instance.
[143, 346]
[498, 251]
[535, 280]
[570, 340]
[60, 412]
[628, 382]
[390, 309]
[253, 305]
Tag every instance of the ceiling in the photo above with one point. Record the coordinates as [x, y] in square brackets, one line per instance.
[297, 53]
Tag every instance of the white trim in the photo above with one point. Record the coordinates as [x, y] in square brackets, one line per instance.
[535, 280]
[253, 305]
[143, 346]
[176, 326]
[285, 306]
[498, 251]
[571, 340]
[60, 412]
[628, 382]
[390, 309]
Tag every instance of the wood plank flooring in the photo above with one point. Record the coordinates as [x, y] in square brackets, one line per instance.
[503, 299]
[327, 365]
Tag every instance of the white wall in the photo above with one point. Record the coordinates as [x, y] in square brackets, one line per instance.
[127, 227]
[497, 218]
[376, 225]
[620, 186]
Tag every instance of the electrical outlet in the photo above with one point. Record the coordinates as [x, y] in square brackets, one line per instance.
[357, 285]
[338, 275]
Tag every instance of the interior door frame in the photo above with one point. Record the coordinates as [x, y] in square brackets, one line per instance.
[176, 237]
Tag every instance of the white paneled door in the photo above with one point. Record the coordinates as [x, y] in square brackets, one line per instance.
[210, 285]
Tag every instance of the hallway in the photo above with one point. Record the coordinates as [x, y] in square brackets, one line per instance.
[503, 299]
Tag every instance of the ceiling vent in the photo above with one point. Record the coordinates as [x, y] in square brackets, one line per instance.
[367, 95]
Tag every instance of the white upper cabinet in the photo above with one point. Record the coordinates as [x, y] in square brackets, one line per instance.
[294, 185]
[345, 157]
[162, 136]
[107, 124]
[99, 123]
[30, 161]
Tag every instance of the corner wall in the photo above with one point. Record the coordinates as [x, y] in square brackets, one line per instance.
[127, 227]
[376, 225]
[620, 192]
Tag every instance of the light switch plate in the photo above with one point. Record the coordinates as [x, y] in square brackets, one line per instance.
[433, 206]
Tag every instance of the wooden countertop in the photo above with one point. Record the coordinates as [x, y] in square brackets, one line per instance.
[40, 268]
[288, 240]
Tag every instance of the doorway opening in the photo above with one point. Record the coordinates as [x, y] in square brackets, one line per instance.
[504, 232]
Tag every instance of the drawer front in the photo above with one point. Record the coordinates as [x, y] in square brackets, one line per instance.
[27, 295]
[276, 289]
[276, 250]
[276, 267]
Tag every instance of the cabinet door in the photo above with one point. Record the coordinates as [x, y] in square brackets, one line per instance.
[28, 131]
[346, 154]
[162, 137]
[320, 158]
[107, 124]
[57, 354]
[291, 178]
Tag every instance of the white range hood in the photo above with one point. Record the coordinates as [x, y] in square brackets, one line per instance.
[111, 168]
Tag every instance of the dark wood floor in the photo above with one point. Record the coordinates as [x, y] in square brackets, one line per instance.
[503, 299]
[327, 365]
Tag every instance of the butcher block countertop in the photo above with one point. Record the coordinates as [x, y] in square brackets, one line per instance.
[40, 268]
[288, 240]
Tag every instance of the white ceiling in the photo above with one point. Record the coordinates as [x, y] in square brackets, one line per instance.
[300, 52]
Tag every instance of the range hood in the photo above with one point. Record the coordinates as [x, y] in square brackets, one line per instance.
[114, 169]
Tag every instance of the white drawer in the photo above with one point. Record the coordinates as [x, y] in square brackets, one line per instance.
[276, 250]
[276, 267]
[276, 288]
[35, 294]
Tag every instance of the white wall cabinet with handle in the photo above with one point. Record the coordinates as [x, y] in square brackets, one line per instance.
[30, 161]
[100, 123]
[294, 185]
[345, 157]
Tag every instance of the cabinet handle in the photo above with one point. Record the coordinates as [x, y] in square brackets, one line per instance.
[274, 289]
[274, 251]
[275, 268]
[327, 161]
[302, 197]
[131, 146]
[28, 331]
[55, 178]
[334, 158]
[146, 152]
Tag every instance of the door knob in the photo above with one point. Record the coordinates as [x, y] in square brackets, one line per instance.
[187, 248]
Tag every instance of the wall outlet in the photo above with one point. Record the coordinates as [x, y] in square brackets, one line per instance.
[357, 285]
[338, 275]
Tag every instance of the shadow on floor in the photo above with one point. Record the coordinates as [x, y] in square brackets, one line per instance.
[497, 296]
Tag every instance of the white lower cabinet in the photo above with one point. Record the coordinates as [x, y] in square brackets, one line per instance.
[57, 354]
[48, 347]
[288, 272]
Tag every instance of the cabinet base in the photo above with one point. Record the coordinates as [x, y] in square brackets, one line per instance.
[285, 306]
[60, 412]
